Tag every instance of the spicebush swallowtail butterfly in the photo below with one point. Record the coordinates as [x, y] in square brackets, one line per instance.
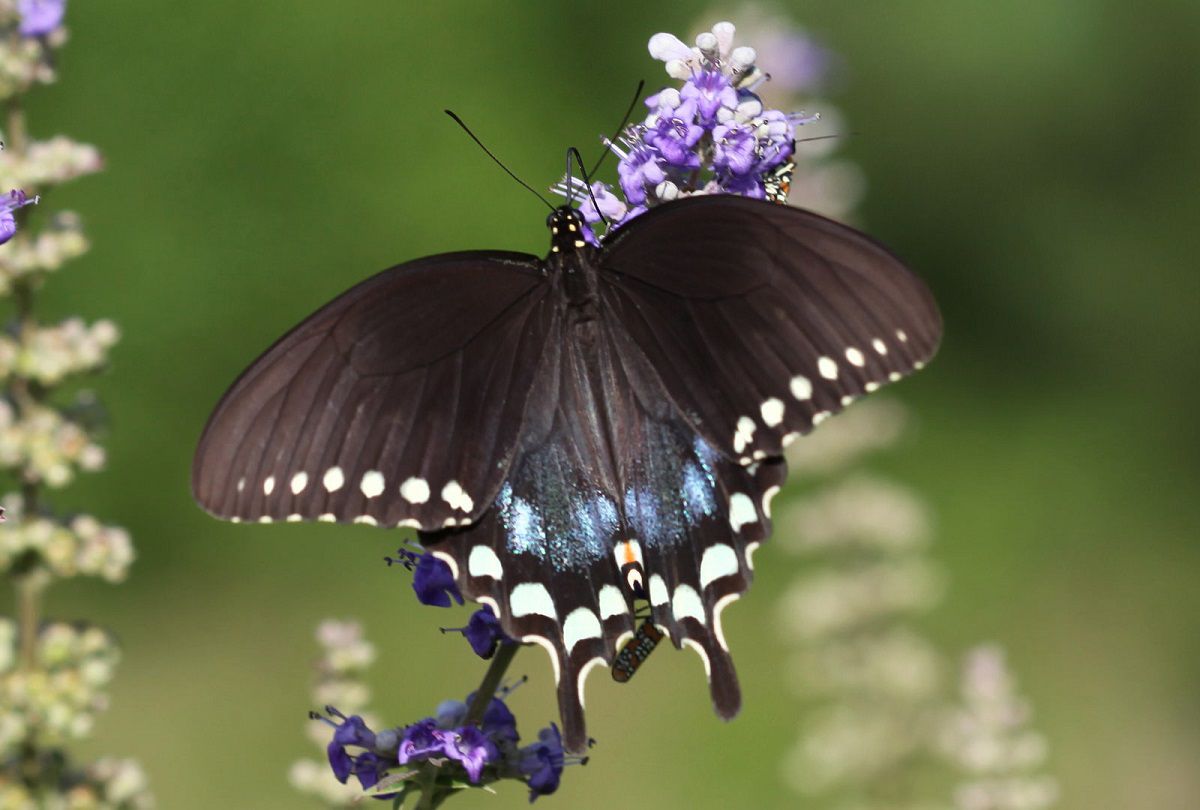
[572, 433]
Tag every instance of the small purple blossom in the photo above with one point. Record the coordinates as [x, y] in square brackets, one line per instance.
[40, 17]
[469, 746]
[674, 133]
[483, 632]
[735, 149]
[368, 766]
[417, 741]
[8, 207]
[498, 724]
[433, 581]
[542, 763]
[639, 168]
[711, 91]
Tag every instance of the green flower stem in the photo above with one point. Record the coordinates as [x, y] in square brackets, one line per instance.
[491, 682]
[432, 795]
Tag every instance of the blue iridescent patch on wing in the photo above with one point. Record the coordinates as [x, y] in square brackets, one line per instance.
[547, 510]
[674, 486]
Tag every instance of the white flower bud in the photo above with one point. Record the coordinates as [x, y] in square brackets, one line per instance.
[708, 46]
[666, 191]
[742, 58]
[678, 69]
[724, 31]
[668, 47]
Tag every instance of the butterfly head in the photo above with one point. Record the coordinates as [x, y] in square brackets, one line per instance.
[566, 230]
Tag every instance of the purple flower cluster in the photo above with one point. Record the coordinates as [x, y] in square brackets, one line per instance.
[8, 208]
[711, 136]
[483, 753]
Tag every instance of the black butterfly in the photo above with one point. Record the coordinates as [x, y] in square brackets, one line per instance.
[571, 433]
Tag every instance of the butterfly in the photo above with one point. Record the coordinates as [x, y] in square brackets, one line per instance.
[578, 433]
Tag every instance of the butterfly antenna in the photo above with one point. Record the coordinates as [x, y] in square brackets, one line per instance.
[628, 113]
[587, 181]
[488, 152]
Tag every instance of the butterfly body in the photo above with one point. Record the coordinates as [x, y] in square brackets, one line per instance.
[572, 433]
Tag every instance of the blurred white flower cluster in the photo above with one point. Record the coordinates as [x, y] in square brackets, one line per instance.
[59, 242]
[44, 445]
[80, 547]
[870, 680]
[880, 725]
[49, 354]
[53, 674]
[340, 672]
[989, 737]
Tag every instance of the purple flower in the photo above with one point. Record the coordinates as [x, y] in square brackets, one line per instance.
[40, 17]
[746, 185]
[469, 746]
[674, 132]
[433, 580]
[711, 91]
[418, 741]
[611, 206]
[734, 149]
[483, 632]
[8, 206]
[639, 168]
[368, 766]
[499, 724]
[542, 763]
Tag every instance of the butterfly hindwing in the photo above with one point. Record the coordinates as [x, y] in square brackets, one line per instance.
[784, 316]
[399, 403]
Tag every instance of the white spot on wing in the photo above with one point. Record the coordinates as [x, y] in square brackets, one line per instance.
[744, 434]
[846, 400]
[530, 598]
[415, 490]
[789, 438]
[372, 483]
[299, 482]
[584, 671]
[269, 485]
[545, 642]
[483, 562]
[687, 604]
[333, 479]
[241, 484]
[266, 519]
[772, 412]
[718, 561]
[449, 560]
[827, 368]
[750, 549]
[612, 602]
[871, 386]
[766, 499]
[367, 519]
[856, 357]
[895, 376]
[295, 517]
[454, 495]
[801, 387]
[879, 345]
[328, 517]
[409, 522]
[902, 336]
[580, 624]
[741, 511]
[721, 604]
[658, 591]
[819, 417]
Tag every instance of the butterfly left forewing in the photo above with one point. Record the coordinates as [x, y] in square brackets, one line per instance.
[399, 403]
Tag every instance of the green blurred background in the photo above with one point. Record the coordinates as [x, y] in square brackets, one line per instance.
[1036, 162]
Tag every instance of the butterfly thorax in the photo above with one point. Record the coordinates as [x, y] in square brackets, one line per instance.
[571, 257]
